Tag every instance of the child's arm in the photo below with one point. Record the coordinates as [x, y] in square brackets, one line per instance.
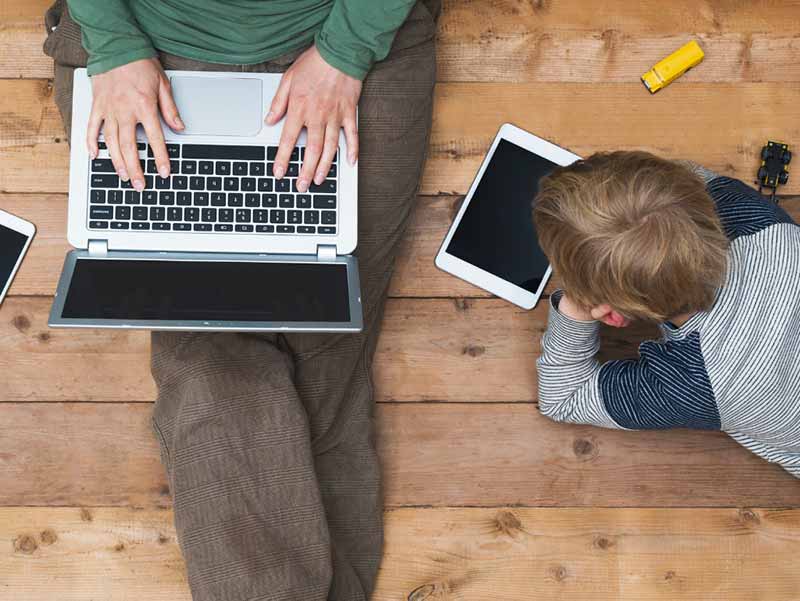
[667, 387]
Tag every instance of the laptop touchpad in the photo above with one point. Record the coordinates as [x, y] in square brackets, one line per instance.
[219, 106]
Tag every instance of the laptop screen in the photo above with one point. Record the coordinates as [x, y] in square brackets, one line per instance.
[155, 289]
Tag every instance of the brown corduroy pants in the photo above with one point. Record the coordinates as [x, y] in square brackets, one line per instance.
[268, 439]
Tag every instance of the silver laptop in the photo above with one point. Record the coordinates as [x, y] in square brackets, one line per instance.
[220, 244]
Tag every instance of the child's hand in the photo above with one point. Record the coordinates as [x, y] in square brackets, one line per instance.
[569, 309]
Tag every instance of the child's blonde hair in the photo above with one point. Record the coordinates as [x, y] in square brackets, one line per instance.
[633, 230]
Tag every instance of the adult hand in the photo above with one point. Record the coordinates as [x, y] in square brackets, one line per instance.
[319, 97]
[122, 98]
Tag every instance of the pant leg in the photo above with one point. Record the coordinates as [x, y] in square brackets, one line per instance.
[333, 372]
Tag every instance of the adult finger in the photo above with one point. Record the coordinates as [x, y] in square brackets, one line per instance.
[277, 109]
[328, 152]
[130, 154]
[315, 133]
[111, 135]
[289, 135]
[351, 138]
[93, 132]
[166, 103]
[155, 137]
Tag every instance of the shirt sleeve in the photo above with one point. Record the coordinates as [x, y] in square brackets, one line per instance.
[666, 387]
[358, 33]
[110, 34]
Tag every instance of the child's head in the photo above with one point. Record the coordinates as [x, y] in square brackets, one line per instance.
[633, 231]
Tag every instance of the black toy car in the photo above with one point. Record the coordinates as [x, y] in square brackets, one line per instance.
[774, 170]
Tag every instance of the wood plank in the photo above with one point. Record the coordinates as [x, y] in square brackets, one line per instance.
[722, 126]
[433, 454]
[439, 554]
[415, 275]
[462, 350]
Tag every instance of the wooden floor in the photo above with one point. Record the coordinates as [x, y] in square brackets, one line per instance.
[485, 499]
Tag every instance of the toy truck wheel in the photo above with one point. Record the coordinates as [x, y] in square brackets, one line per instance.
[765, 152]
[783, 178]
[787, 157]
[762, 173]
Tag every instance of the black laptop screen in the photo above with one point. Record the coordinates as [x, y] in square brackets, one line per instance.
[207, 291]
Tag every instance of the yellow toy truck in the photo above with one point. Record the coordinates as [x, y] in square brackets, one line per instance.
[672, 67]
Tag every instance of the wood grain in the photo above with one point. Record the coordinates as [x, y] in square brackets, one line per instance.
[513, 554]
[433, 454]
[429, 349]
[722, 126]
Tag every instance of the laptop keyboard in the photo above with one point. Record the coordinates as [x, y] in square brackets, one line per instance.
[213, 188]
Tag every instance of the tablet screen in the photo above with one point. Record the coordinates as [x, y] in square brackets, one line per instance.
[496, 231]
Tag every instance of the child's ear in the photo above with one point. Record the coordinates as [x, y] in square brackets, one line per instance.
[612, 318]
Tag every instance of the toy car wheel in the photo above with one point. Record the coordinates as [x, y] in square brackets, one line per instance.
[783, 177]
[765, 152]
[762, 173]
[787, 157]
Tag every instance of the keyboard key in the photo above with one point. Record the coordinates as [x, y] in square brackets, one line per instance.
[260, 216]
[102, 145]
[101, 213]
[264, 184]
[244, 228]
[175, 214]
[102, 166]
[140, 225]
[231, 184]
[277, 216]
[218, 199]
[303, 201]
[272, 152]
[306, 229]
[222, 168]
[122, 213]
[269, 200]
[197, 183]
[174, 167]
[180, 227]
[202, 227]
[140, 213]
[243, 215]
[219, 151]
[162, 183]
[148, 181]
[201, 199]
[184, 199]
[324, 202]
[191, 214]
[104, 181]
[226, 215]
[223, 227]
[180, 182]
[114, 197]
[248, 184]
[206, 167]
[209, 214]
[98, 225]
[326, 230]
[311, 217]
[332, 172]
[149, 197]
[141, 146]
[294, 217]
[283, 185]
[286, 229]
[132, 197]
[329, 217]
[239, 168]
[256, 168]
[163, 226]
[120, 225]
[326, 187]
[235, 199]
[151, 166]
[166, 198]
[173, 150]
[126, 185]
[286, 201]
[292, 170]
[157, 213]
[189, 167]
[97, 196]
[213, 183]
[265, 229]
[269, 170]
[252, 200]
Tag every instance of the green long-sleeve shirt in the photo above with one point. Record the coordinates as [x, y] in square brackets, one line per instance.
[349, 34]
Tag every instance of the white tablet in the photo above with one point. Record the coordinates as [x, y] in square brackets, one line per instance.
[492, 242]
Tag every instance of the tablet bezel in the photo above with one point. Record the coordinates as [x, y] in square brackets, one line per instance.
[475, 275]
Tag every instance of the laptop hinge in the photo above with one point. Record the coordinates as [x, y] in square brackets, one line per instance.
[98, 248]
[326, 252]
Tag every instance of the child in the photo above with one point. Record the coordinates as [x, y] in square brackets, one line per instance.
[634, 236]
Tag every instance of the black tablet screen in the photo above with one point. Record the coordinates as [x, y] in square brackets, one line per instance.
[496, 232]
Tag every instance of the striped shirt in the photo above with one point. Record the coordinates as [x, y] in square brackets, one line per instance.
[735, 367]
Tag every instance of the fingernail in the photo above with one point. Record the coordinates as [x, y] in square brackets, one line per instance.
[278, 171]
[318, 178]
[123, 175]
[269, 115]
[163, 172]
[92, 154]
[138, 185]
[351, 158]
[302, 185]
